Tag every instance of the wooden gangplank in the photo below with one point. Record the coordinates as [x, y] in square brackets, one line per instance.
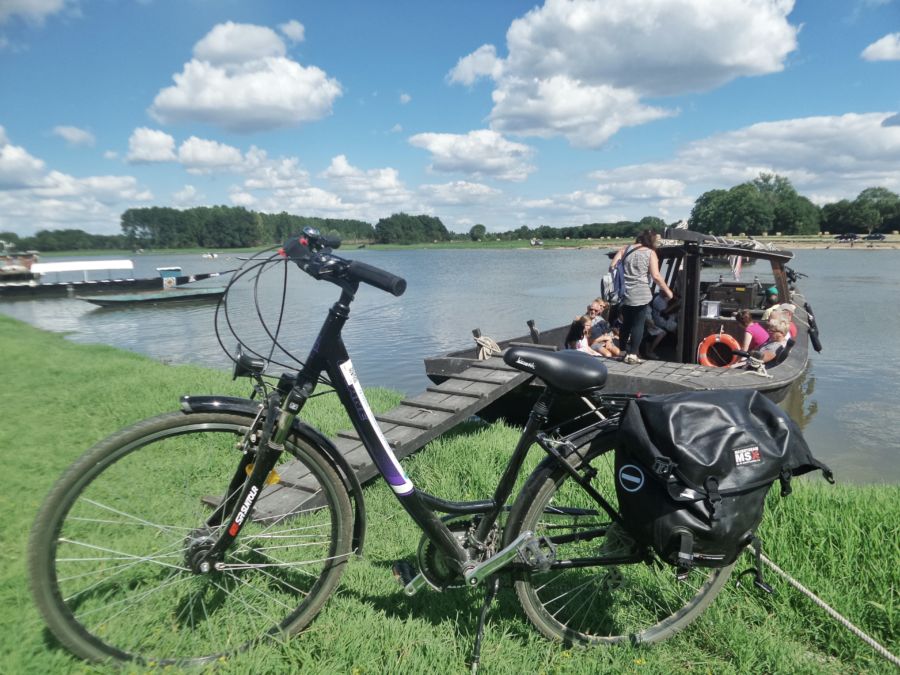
[407, 428]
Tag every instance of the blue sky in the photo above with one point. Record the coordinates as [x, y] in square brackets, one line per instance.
[500, 113]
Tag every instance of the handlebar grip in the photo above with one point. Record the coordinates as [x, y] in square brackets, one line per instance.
[377, 277]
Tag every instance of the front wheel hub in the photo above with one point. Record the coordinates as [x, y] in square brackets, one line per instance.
[197, 546]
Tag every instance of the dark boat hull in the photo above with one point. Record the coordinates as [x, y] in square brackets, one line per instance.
[168, 296]
[650, 377]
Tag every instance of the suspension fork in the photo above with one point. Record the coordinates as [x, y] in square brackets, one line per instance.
[275, 429]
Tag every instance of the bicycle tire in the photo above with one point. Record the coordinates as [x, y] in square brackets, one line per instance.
[107, 553]
[605, 604]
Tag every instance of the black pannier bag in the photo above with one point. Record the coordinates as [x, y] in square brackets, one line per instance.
[693, 470]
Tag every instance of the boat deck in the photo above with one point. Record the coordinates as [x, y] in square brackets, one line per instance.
[408, 427]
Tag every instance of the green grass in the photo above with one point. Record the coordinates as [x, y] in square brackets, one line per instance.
[840, 541]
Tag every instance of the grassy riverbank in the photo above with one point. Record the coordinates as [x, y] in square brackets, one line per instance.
[842, 542]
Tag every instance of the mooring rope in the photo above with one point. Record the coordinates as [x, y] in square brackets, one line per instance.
[834, 614]
[487, 347]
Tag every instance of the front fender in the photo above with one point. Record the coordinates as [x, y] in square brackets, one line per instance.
[244, 406]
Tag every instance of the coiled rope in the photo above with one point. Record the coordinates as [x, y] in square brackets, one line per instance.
[487, 347]
[834, 614]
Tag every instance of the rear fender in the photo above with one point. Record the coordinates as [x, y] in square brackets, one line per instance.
[243, 406]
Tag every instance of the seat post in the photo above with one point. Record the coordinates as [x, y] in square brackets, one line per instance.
[536, 420]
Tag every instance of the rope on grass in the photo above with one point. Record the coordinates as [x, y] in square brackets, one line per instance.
[834, 614]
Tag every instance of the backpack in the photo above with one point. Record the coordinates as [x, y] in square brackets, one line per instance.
[612, 284]
[693, 470]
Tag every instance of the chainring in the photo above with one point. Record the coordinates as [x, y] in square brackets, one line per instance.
[433, 564]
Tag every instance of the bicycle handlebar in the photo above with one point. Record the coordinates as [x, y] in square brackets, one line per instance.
[312, 253]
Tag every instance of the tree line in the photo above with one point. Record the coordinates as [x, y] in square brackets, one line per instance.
[768, 204]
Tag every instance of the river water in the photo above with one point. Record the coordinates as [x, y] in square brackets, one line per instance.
[847, 402]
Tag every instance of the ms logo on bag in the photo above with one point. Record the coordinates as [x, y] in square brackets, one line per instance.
[748, 455]
[631, 478]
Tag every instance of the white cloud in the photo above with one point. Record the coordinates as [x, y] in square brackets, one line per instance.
[293, 30]
[34, 11]
[18, 169]
[586, 115]
[828, 157]
[241, 80]
[885, 49]
[105, 189]
[405, 98]
[376, 187]
[458, 192]
[235, 43]
[479, 153]
[74, 136]
[198, 155]
[605, 58]
[32, 198]
[241, 198]
[186, 197]
[483, 62]
[271, 174]
[150, 145]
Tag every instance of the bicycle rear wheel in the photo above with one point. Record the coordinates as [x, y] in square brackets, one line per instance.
[110, 546]
[578, 601]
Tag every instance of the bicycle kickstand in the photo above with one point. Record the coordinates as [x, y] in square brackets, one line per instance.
[492, 587]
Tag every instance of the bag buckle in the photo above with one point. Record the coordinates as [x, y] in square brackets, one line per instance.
[663, 467]
[712, 496]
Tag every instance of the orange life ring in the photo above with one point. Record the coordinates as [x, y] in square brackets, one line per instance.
[717, 339]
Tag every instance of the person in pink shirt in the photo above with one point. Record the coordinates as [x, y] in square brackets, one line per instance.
[755, 335]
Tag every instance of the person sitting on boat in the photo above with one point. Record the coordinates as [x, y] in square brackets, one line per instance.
[579, 337]
[602, 338]
[779, 334]
[788, 310]
[641, 266]
[772, 302]
[663, 320]
[755, 334]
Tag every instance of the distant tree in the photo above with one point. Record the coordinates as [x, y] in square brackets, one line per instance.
[402, 228]
[652, 223]
[10, 238]
[743, 208]
[708, 214]
[846, 216]
[747, 210]
[791, 213]
[885, 202]
[836, 217]
[477, 232]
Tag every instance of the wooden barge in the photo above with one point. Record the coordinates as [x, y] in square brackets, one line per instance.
[707, 308]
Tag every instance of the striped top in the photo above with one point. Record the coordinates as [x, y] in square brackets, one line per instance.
[637, 277]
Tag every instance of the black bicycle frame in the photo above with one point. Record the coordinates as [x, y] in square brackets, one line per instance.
[329, 355]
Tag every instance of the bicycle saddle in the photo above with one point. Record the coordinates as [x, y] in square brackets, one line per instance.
[568, 371]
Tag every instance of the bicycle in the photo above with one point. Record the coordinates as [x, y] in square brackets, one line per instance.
[134, 558]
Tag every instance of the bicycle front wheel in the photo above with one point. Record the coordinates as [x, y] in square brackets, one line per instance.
[581, 599]
[110, 552]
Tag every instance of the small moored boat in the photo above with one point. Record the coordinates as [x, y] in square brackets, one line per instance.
[178, 294]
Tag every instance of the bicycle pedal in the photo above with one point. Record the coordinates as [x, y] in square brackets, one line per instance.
[406, 576]
[403, 572]
[539, 553]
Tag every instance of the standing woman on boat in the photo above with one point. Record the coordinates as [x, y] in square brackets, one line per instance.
[641, 266]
